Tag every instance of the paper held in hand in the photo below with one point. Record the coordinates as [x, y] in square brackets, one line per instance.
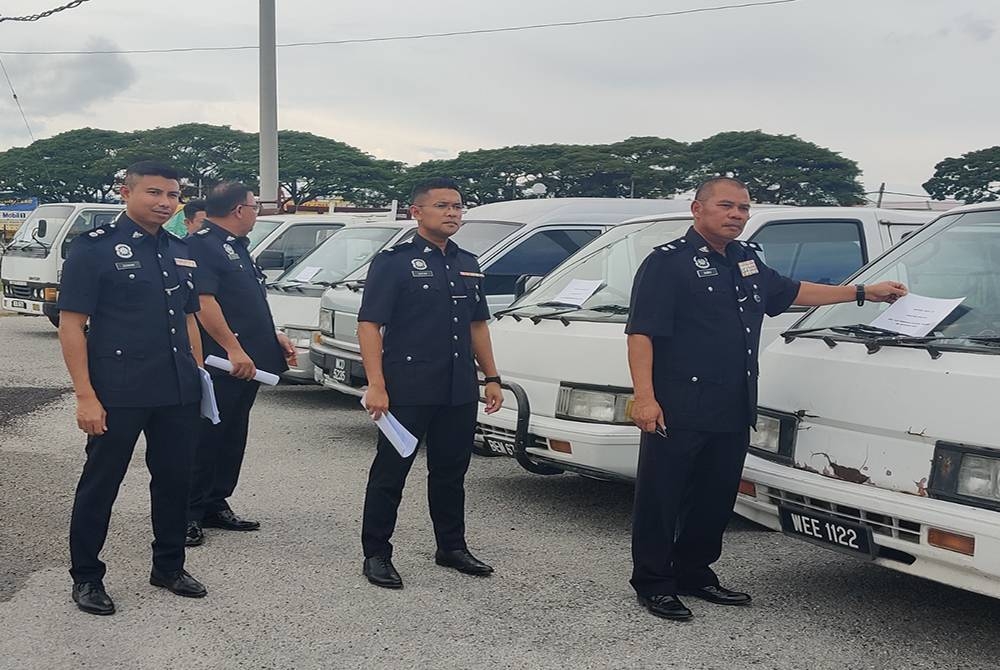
[404, 441]
[221, 363]
[209, 408]
[916, 315]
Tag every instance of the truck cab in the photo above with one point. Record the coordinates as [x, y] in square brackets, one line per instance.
[31, 267]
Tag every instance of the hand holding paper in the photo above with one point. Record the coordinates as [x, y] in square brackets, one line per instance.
[400, 438]
[222, 364]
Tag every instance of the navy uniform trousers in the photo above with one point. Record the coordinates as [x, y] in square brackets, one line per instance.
[221, 447]
[170, 439]
[448, 432]
[673, 546]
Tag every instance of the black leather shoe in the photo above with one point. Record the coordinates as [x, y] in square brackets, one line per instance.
[381, 572]
[179, 583]
[227, 520]
[718, 595]
[463, 561]
[195, 535]
[666, 607]
[92, 598]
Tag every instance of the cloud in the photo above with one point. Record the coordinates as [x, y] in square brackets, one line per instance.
[977, 27]
[48, 86]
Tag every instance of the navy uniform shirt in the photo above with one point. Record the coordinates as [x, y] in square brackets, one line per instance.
[226, 271]
[137, 289]
[427, 301]
[704, 311]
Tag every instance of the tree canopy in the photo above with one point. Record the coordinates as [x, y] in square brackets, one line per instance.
[972, 177]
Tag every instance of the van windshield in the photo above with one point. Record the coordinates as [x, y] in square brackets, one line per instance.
[612, 259]
[957, 256]
[340, 254]
[261, 229]
[37, 245]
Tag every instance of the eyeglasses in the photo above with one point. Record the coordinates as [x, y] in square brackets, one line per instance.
[256, 207]
[445, 206]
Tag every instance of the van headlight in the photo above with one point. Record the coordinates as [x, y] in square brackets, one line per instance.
[767, 435]
[774, 437]
[300, 337]
[326, 321]
[595, 405]
[967, 474]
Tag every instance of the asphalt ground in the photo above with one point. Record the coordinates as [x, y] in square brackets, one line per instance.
[292, 596]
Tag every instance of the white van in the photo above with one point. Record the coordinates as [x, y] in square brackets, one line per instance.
[294, 297]
[32, 263]
[887, 446]
[513, 240]
[568, 409]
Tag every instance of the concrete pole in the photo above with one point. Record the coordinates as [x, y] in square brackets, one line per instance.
[268, 191]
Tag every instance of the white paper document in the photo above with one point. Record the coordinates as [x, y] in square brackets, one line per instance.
[916, 315]
[307, 273]
[398, 436]
[209, 408]
[578, 291]
[263, 377]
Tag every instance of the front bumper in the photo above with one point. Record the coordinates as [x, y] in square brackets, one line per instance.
[338, 369]
[900, 522]
[32, 307]
[303, 372]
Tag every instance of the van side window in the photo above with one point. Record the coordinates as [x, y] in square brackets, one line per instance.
[535, 255]
[824, 252]
[299, 240]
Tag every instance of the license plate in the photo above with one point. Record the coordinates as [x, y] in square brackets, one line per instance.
[827, 531]
[339, 368]
[498, 446]
[19, 303]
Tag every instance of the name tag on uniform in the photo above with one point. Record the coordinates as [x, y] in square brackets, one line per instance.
[472, 274]
[129, 265]
[748, 268]
[710, 272]
[186, 262]
[422, 273]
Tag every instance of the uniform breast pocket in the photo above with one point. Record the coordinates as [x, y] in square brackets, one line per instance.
[471, 288]
[115, 367]
[131, 289]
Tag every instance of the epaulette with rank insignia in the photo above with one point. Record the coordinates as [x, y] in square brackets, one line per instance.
[672, 246]
[203, 231]
[752, 245]
[398, 247]
[102, 231]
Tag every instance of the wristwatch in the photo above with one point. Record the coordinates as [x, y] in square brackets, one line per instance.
[860, 294]
[492, 380]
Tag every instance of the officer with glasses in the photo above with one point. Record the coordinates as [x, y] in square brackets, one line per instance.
[422, 327]
[236, 324]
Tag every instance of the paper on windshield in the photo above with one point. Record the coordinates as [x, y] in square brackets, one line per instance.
[916, 315]
[578, 291]
[307, 273]
[402, 439]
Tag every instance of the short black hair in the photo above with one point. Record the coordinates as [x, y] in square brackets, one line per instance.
[192, 207]
[225, 197]
[705, 188]
[428, 185]
[150, 168]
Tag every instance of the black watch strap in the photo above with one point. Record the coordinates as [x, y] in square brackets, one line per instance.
[494, 380]
[860, 294]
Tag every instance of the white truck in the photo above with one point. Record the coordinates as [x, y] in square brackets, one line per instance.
[567, 406]
[884, 445]
[31, 266]
[514, 240]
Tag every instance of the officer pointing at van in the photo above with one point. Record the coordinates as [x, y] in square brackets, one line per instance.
[421, 324]
[136, 371]
[698, 304]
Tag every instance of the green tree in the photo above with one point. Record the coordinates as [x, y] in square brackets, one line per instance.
[658, 167]
[76, 166]
[778, 169]
[203, 154]
[972, 177]
[311, 166]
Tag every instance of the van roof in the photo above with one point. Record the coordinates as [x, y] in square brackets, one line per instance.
[337, 217]
[887, 216]
[573, 210]
[975, 207]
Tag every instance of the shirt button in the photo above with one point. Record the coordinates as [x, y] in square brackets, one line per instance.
[118, 352]
[426, 286]
[165, 273]
[451, 283]
[748, 373]
[694, 379]
[750, 352]
[454, 302]
[456, 354]
[159, 255]
[170, 312]
[455, 319]
[741, 309]
[175, 350]
[447, 267]
[455, 337]
[409, 358]
[748, 330]
[710, 289]
[755, 286]
[173, 331]
[131, 276]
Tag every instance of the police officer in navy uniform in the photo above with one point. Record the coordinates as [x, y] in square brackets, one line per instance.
[698, 303]
[236, 324]
[136, 371]
[421, 325]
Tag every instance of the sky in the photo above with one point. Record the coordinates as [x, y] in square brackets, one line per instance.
[896, 85]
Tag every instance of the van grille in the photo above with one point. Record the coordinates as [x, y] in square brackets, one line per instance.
[22, 292]
[881, 524]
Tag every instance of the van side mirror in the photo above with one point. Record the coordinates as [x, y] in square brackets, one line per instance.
[525, 283]
[41, 229]
[271, 259]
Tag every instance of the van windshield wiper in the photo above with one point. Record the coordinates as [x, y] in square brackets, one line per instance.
[857, 329]
[610, 309]
[928, 342]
